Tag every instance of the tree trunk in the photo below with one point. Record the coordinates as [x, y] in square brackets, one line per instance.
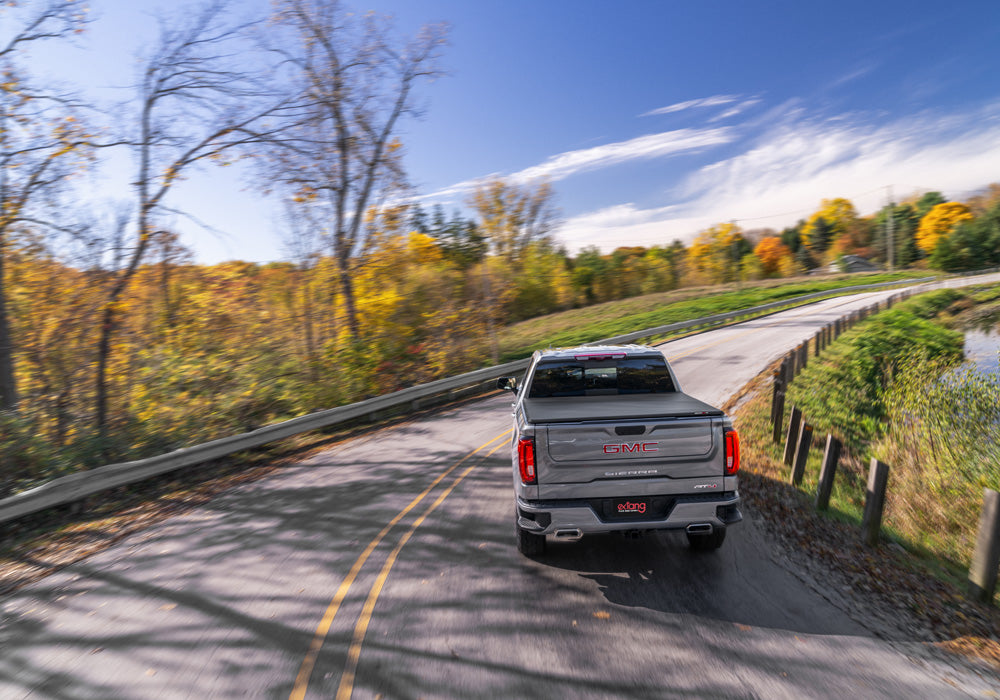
[101, 382]
[347, 288]
[8, 388]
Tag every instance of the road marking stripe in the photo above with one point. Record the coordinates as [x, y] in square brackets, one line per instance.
[309, 662]
[346, 687]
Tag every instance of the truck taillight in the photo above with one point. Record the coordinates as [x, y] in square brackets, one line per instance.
[732, 441]
[526, 460]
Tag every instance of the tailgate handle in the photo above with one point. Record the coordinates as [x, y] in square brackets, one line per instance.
[630, 429]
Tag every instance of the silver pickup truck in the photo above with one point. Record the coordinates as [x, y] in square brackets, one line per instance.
[605, 441]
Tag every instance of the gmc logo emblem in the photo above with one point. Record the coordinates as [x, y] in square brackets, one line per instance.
[631, 447]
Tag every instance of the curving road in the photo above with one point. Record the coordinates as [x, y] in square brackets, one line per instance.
[385, 567]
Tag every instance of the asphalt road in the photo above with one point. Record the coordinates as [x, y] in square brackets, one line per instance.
[386, 567]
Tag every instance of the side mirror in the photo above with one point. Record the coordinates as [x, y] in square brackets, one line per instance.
[507, 384]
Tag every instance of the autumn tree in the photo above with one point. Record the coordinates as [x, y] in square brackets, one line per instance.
[774, 256]
[717, 251]
[42, 144]
[195, 103]
[925, 202]
[668, 263]
[939, 222]
[971, 244]
[513, 216]
[354, 84]
[832, 221]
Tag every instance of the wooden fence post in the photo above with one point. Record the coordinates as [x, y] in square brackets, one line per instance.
[802, 453]
[831, 456]
[986, 557]
[779, 389]
[778, 407]
[793, 433]
[871, 523]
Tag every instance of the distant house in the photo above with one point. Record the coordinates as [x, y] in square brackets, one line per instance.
[853, 263]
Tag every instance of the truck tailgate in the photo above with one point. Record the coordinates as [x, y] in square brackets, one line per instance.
[683, 448]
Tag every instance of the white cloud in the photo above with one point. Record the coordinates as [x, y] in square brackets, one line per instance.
[643, 147]
[713, 101]
[787, 171]
[735, 110]
[570, 163]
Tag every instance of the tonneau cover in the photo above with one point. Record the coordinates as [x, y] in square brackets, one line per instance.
[616, 407]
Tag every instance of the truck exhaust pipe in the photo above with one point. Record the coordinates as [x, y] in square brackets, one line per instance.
[568, 534]
[699, 529]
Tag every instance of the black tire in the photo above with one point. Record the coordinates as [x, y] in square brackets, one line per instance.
[528, 543]
[704, 543]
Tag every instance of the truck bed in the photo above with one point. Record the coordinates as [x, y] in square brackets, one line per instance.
[616, 407]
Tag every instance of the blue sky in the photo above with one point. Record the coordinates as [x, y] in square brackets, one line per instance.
[653, 120]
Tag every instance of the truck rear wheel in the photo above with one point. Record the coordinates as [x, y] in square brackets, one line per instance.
[712, 540]
[528, 543]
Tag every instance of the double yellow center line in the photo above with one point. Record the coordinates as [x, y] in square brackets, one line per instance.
[361, 628]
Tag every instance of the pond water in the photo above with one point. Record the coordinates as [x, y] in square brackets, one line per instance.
[982, 348]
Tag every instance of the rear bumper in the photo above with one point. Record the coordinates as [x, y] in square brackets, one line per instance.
[557, 517]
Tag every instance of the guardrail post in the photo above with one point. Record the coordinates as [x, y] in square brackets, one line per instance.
[871, 523]
[802, 453]
[793, 433]
[778, 390]
[831, 456]
[778, 416]
[804, 354]
[986, 556]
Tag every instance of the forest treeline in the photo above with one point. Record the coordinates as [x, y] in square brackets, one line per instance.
[115, 344]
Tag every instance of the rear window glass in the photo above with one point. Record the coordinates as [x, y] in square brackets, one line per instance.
[641, 375]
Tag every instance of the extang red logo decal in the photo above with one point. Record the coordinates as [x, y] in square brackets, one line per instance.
[626, 447]
[629, 507]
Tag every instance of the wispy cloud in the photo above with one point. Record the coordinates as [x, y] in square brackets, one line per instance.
[714, 101]
[736, 110]
[782, 176]
[564, 165]
[856, 74]
[644, 147]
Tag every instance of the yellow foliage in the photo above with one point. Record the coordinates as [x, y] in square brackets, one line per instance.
[712, 252]
[939, 222]
[838, 213]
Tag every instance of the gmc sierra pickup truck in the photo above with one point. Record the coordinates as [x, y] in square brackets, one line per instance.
[605, 441]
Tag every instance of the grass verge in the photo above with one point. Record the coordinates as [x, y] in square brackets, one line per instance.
[877, 375]
[627, 315]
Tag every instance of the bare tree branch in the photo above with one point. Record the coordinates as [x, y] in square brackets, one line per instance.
[353, 89]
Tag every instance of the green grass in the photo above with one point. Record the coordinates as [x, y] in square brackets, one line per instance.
[887, 389]
[628, 315]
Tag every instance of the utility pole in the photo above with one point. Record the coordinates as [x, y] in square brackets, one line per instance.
[736, 257]
[889, 232]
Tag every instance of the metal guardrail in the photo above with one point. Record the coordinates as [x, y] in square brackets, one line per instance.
[73, 487]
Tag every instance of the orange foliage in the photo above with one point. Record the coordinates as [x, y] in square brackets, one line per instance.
[772, 252]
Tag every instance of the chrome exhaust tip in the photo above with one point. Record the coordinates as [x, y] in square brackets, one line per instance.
[568, 534]
[699, 529]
